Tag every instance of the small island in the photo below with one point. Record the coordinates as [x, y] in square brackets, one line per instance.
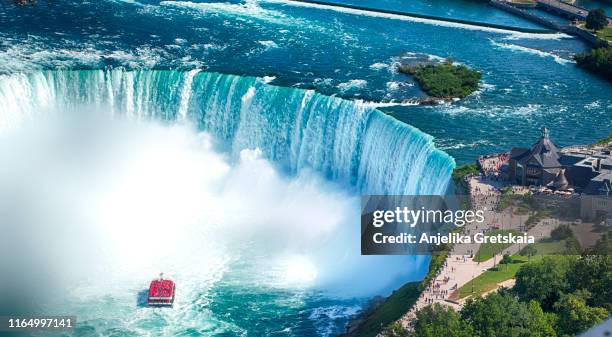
[598, 61]
[445, 80]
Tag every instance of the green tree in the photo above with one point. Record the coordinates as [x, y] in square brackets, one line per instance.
[604, 244]
[543, 281]
[575, 316]
[502, 315]
[395, 329]
[562, 232]
[506, 259]
[596, 19]
[529, 251]
[593, 273]
[439, 320]
[572, 246]
[598, 60]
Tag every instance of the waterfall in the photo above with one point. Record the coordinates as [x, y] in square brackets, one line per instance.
[343, 140]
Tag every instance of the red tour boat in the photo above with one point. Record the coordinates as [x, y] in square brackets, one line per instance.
[161, 292]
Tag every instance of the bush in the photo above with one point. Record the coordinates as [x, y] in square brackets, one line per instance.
[561, 233]
[438, 320]
[395, 329]
[605, 140]
[437, 259]
[598, 60]
[603, 245]
[560, 296]
[506, 259]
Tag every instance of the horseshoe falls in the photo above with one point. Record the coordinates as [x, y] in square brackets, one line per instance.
[347, 142]
[127, 149]
[245, 193]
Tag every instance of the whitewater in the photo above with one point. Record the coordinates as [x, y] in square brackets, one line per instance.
[344, 141]
[132, 151]
[241, 191]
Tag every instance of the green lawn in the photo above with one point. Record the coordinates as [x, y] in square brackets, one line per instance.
[550, 247]
[488, 280]
[459, 173]
[605, 34]
[390, 310]
[487, 250]
[605, 140]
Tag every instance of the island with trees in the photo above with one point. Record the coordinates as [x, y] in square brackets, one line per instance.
[598, 61]
[446, 80]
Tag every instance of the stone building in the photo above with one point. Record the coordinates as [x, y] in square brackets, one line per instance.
[538, 165]
[586, 170]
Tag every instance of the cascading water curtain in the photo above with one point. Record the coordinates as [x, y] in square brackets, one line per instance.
[343, 140]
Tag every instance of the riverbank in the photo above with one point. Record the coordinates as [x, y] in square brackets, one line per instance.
[390, 313]
[570, 17]
[384, 312]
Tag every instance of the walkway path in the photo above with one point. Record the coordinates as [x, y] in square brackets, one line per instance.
[458, 268]
[569, 9]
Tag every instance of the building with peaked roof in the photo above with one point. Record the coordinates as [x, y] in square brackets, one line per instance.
[584, 169]
[539, 165]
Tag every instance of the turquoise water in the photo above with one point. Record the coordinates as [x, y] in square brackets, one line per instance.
[303, 229]
[151, 60]
[529, 80]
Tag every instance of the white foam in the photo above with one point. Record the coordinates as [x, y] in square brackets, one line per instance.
[352, 84]
[35, 53]
[373, 104]
[536, 36]
[268, 44]
[379, 66]
[250, 8]
[268, 79]
[593, 105]
[325, 317]
[392, 85]
[138, 198]
[532, 51]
